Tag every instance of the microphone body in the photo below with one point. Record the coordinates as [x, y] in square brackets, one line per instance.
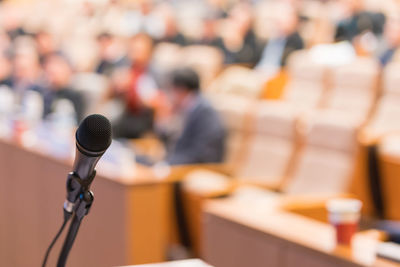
[93, 137]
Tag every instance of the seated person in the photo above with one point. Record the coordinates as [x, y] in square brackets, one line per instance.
[239, 42]
[202, 137]
[279, 47]
[358, 21]
[58, 73]
[26, 70]
[136, 86]
[111, 56]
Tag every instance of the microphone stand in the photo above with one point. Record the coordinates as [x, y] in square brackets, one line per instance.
[80, 188]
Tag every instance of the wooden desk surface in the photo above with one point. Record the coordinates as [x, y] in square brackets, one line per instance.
[288, 235]
[129, 222]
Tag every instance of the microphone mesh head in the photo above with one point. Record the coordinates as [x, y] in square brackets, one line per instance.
[94, 133]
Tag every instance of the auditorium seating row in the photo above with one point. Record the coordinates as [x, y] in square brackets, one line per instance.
[313, 141]
[320, 113]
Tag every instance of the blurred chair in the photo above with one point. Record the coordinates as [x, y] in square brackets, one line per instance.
[391, 79]
[354, 87]
[326, 162]
[93, 87]
[206, 60]
[236, 113]
[239, 81]
[271, 146]
[307, 81]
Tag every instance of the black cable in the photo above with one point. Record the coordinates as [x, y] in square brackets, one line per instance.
[66, 218]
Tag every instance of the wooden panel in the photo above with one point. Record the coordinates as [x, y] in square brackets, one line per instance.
[23, 197]
[227, 244]
[149, 217]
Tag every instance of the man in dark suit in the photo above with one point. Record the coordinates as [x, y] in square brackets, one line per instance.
[202, 137]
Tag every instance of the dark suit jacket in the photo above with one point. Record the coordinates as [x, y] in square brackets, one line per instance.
[203, 136]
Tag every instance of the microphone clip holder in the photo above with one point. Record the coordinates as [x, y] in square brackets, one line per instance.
[76, 189]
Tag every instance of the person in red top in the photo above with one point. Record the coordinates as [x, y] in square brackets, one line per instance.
[137, 87]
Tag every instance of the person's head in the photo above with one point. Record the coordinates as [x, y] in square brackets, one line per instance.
[25, 60]
[184, 82]
[45, 42]
[241, 14]
[209, 27]
[141, 49]
[170, 21]
[104, 41]
[145, 6]
[287, 21]
[58, 70]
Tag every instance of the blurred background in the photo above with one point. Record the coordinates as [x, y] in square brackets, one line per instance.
[290, 96]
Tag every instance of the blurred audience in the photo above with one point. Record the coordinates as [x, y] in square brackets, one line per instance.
[116, 40]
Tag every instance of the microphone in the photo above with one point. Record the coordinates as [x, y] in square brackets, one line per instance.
[93, 137]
